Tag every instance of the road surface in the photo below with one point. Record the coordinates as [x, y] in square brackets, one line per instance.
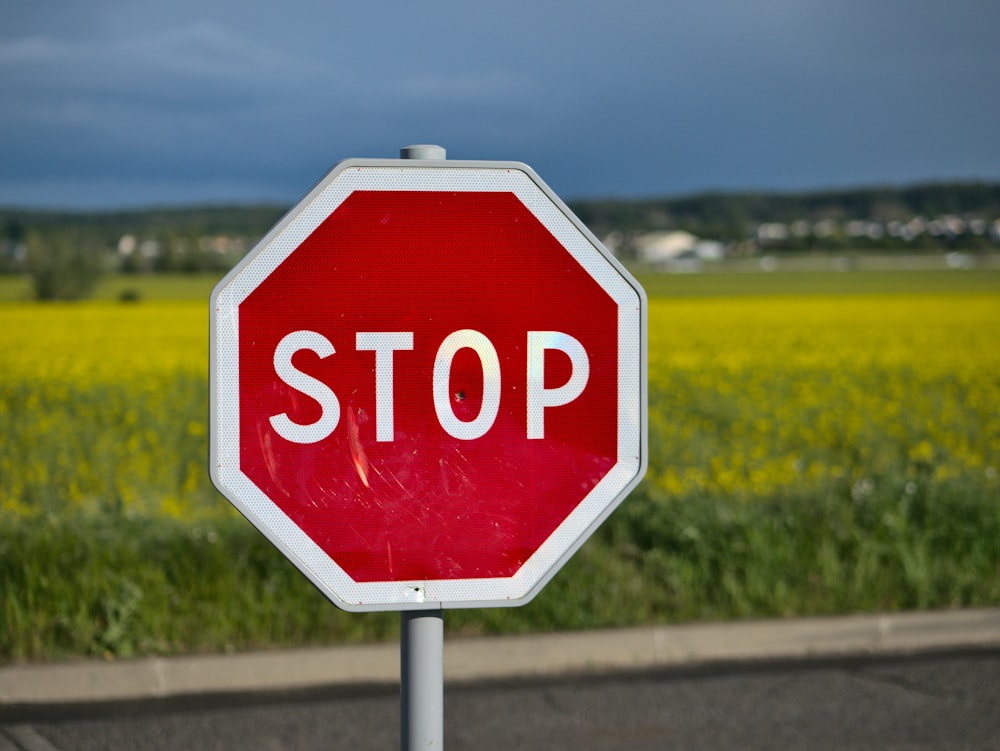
[938, 700]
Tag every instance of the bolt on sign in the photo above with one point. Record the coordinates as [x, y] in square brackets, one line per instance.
[428, 384]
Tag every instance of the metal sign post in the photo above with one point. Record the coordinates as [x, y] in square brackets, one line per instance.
[421, 648]
[421, 636]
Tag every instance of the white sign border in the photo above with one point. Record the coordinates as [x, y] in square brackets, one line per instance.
[283, 239]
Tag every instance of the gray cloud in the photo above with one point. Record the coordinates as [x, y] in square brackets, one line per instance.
[123, 103]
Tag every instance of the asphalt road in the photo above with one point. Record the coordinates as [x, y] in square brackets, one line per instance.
[943, 700]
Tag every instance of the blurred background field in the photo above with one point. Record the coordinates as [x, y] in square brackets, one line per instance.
[819, 443]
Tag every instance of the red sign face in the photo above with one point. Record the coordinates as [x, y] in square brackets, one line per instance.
[421, 503]
[426, 387]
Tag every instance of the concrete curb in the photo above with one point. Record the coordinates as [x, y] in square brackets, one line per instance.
[503, 657]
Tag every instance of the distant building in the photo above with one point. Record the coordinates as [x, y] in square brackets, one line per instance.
[665, 247]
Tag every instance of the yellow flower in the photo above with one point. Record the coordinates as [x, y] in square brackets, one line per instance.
[104, 405]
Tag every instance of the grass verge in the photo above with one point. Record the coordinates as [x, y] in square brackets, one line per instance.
[111, 585]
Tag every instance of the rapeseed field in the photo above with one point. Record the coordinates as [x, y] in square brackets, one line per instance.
[752, 398]
[808, 454]
[105, 405]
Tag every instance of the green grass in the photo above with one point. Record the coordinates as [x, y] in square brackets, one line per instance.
[739, 284]
[114, 586]
[715, 283]
[122, 286]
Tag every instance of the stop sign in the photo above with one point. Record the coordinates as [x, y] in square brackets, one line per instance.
[428, 384]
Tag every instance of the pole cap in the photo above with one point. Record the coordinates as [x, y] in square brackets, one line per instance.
[422, 151]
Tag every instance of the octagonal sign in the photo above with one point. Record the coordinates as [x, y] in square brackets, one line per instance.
[428, 384]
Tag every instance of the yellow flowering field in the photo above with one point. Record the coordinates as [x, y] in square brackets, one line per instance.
[808, 454]
[104, 405]
[789, 395]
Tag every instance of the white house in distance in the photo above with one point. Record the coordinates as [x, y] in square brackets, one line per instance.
[677, 250]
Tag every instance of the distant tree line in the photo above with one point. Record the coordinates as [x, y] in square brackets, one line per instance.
[866, 218]
[66, 252]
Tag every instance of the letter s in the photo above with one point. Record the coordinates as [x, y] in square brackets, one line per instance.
[329, 405]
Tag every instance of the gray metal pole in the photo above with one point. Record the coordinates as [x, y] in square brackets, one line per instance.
[421, 632]
[422, 679]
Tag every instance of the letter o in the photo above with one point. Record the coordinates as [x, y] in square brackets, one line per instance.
[487, 354]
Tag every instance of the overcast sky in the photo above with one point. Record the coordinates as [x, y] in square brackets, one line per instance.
[116, 103]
